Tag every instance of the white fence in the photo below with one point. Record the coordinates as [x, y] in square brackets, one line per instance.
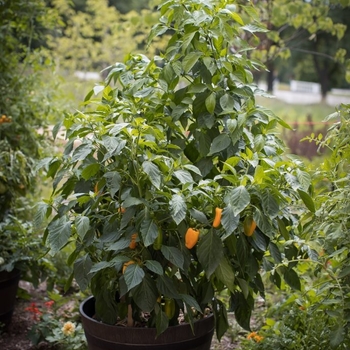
[305, 86]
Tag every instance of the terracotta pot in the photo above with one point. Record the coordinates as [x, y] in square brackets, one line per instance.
[8, 290]
[101, 336]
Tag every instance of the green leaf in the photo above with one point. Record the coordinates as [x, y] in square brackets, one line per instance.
[210, 102]
[275, 253]
[221, 320]
[82, 225]
[199, 216]
[162, 321]
[269, 204]
[229, 220]
[191, 302]
[227, 103]
[133, 275]
[308, 201]
[242, 310]
[167, 287]
[113, 180]
[292, 279]
[220, 143]
[210, 252]
[337, 336]
[59, 233]
[344, 272]
[145, 294]
[149, 231]
[119, 245]
[178, 208]
[225, 274]
[183, 176]
[174, 255]
[90, 170]
[81, 152]
[190, 60]
[82, 268]
[238, 198]
[153, 173]
[304, 179]
[40, 214]
[154, 266]
[237, 18]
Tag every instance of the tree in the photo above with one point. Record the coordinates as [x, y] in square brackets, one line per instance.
[291, 24]
[25, 99]
[94, 34]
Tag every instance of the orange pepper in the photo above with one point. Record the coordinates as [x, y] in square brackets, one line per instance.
[217, 218]
[191, 238]
[133, 243]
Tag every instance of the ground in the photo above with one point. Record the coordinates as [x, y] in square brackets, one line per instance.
[16, 336]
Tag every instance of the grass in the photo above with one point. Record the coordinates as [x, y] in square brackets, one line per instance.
[292, 113]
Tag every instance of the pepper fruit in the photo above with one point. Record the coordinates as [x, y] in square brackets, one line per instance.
[127, 264]
[191, 238]
[169, 307]
[157, 244]
[249, 226]
[217, 218]
[133, 243]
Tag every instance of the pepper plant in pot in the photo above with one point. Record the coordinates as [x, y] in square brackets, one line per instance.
[174, 185]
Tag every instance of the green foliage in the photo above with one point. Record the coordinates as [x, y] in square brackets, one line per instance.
[56, 324]
[158, 147]
[290, 326]
[92, 37]
[321, 310]
[313, 35]
[24, 108]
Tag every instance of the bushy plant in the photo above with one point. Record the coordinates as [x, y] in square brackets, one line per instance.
[173, 185]
[24, 112]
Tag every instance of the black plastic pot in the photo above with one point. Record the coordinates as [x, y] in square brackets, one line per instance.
[8, 290]
[101, 336]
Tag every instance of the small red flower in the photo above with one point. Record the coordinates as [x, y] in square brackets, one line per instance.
[36, 313]
[49, 304]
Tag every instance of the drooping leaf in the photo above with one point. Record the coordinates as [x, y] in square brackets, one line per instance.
[178, 208]
[190, 60]
[238, 199]
[145, 294]
[59, 233]
[154, 266]
[220, 143]
[166, 287]
[210, 252]
[174, 255]
[153, 173]
[133, 275]
[90, 170]
[82, 267]
[229, 220]
[82, 225]
[292, 279]
[308, 201]
[149, 231]
[225, 274]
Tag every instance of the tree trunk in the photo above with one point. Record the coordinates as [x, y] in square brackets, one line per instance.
[270, 76]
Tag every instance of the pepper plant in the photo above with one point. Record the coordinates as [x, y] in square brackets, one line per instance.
[158, 147]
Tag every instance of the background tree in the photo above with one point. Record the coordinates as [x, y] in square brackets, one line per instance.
[26, 101]
[95, 34]
[293, 26]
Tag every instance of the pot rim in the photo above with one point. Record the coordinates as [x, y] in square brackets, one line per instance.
[83, 313]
